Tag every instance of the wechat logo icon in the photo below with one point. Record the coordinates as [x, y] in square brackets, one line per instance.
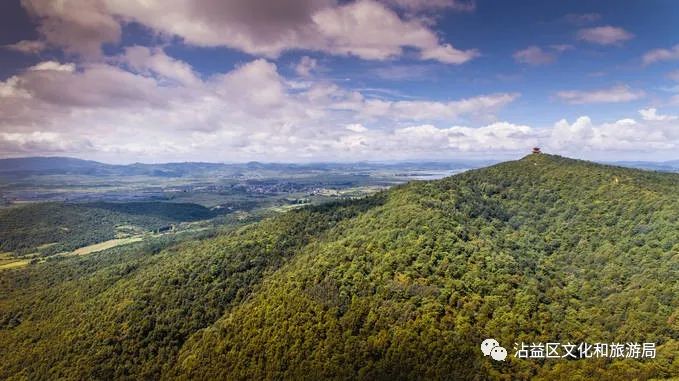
[490, 347]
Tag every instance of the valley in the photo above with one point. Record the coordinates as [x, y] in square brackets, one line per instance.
[57, 206]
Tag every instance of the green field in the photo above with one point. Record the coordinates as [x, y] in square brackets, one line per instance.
[7, 261]
[104, 246]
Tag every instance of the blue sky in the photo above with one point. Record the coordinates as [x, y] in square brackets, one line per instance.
[326, 80]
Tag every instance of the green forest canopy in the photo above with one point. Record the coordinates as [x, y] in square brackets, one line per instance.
[23, 228]
[401, 285]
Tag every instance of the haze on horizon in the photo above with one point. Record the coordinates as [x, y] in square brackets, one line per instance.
[338, 81]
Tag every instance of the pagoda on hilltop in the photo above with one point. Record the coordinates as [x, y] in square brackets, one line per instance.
[536, 150]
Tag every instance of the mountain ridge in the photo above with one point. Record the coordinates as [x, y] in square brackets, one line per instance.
[401, 285]
[65, 163]
[29, 166]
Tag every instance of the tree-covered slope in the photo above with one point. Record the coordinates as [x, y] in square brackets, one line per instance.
[403, 285]
[125, 313]
[68, 226]
[543, 249]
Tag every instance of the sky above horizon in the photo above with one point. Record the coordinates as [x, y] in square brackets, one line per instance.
[126, 81]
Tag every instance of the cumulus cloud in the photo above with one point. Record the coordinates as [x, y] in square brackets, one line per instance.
[428, 110]
[54, 66]
[565, 135]
[44, 142]
[657, 55]
[259, 27]
[369, 30]
[356, 127]
[142, 104]
[429, 141]
[306, 66]
[159, 110]
[651, 114]
[446, 53]
[615, 94]
[365, 28]
[534, 55]
[154, 61]
[500, 136]
[251, 112]
[77, 26]
[97, 85]
[621, 135]
[27, 46]
[604, 35]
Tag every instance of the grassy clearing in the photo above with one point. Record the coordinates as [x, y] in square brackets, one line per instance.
[285, 208]
[13, 264]
[103, 246]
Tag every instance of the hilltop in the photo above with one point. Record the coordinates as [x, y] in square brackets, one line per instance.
[404, 284]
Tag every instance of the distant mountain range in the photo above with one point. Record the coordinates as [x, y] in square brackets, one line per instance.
[68, 165]
[32, 166]
[664, 166]
[42, 166]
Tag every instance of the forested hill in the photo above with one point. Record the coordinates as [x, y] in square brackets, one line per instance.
[402, 285]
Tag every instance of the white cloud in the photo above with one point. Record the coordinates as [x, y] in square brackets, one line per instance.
[369, 30]
[534, 55]
[144, 105]
[306, 66]
[97, 85]
[658, 55]
[364, 28]
[446, 53]
[356, 127]
[154, 61]
[497, 136]
[615, 94]
[428, 110]
[604, 35]
[268, 89]
[10, 88]
[621, 135]
[651, 114]
[161, 112]
[40, 141]
[77, 26]
[429, 141]
[673, 75]
[54, 66]
[565, 135]
[251, 113]
[27, 46]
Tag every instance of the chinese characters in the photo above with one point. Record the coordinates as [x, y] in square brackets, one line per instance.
[584, 350]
